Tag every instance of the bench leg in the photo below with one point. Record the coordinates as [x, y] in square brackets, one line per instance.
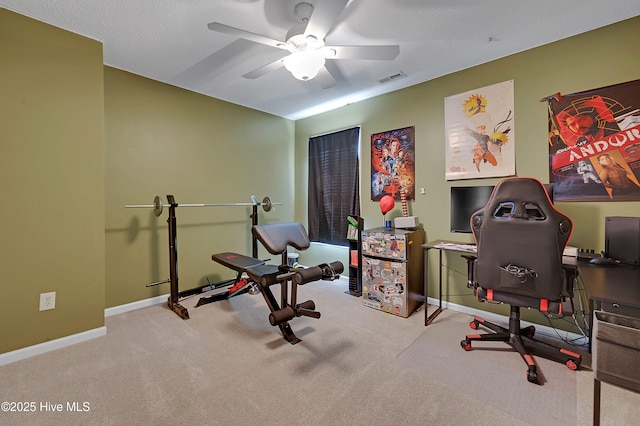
[287, 333]
[285, 328]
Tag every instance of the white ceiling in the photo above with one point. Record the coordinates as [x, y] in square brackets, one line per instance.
[168, 41]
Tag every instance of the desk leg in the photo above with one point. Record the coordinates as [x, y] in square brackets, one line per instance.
[429, 318]
[596, 402]
[592, 307]
[439, 281]
[425, 283]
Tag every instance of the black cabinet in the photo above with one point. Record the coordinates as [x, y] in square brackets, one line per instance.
[354, 238]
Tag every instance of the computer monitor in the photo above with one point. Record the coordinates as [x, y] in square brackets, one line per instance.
[466, 200]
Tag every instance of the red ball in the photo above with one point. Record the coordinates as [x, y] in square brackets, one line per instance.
[386, 204]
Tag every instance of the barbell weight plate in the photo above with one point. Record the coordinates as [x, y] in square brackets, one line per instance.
[266, 204]
[157, 206]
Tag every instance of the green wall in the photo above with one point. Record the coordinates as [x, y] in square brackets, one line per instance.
[598, 58]
[52, 174]
[163, 140]
[80, 140]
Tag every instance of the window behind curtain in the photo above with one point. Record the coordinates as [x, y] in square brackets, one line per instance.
[333, 185]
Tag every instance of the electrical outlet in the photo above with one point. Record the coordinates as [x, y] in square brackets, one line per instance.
[47, 301]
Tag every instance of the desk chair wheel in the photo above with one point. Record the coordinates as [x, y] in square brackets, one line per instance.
[529, 331]
[474, 324]
[572, 364]
[466, 345]
[532, 375]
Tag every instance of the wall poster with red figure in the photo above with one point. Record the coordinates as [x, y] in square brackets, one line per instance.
[393, 164]
[594, 144]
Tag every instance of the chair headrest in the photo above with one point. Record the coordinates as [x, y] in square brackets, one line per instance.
[276, 237]
[520, 193]
[520, 198]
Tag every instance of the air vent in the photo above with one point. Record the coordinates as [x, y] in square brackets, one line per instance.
[393, 77]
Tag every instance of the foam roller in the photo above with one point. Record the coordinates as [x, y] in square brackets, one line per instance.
[283, 315]
[324, 271]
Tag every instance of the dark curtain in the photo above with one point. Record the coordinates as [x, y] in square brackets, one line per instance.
[333, 185]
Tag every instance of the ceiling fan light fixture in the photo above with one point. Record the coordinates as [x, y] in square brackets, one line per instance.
[305, 64]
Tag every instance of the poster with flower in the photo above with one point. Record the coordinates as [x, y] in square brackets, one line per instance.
[480, 133]
[594, 144]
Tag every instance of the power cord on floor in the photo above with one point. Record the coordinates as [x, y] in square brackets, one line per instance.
[579, 318]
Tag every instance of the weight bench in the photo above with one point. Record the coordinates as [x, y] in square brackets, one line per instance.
[276, 238]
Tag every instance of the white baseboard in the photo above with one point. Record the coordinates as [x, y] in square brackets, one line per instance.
[41, 348]
[117, 310]
[543, 330]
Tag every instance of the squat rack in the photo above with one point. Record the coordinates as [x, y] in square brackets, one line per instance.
[175, 293]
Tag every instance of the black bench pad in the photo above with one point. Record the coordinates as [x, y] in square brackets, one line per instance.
[264, 274]
[237, 262]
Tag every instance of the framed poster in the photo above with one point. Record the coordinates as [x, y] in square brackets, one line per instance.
[393, 164]
[594, 144]
[480, 133]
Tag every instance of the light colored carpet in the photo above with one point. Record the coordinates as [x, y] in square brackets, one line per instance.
[493, 373]
[227, 366]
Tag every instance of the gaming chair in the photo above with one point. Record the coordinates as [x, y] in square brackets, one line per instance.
[520, 239]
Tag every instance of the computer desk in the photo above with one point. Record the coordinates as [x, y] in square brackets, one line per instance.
[612, 288]
[441, 246]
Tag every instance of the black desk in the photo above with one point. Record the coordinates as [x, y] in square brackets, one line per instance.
[614, 288]
[440, 245]
[611, 288]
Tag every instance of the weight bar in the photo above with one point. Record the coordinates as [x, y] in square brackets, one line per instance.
[158, 283]
[158, 206]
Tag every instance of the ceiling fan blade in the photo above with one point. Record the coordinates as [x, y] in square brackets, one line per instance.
[233, 31]
[380, 53]
[324, 17]
[217, 63]
[325, 78]
[265, 69]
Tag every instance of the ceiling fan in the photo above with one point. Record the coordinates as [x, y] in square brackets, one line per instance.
[306, 46]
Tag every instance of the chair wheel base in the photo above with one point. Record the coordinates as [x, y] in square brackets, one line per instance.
[466, 345]
[521, 340]
[529, 331]
[572, 364]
